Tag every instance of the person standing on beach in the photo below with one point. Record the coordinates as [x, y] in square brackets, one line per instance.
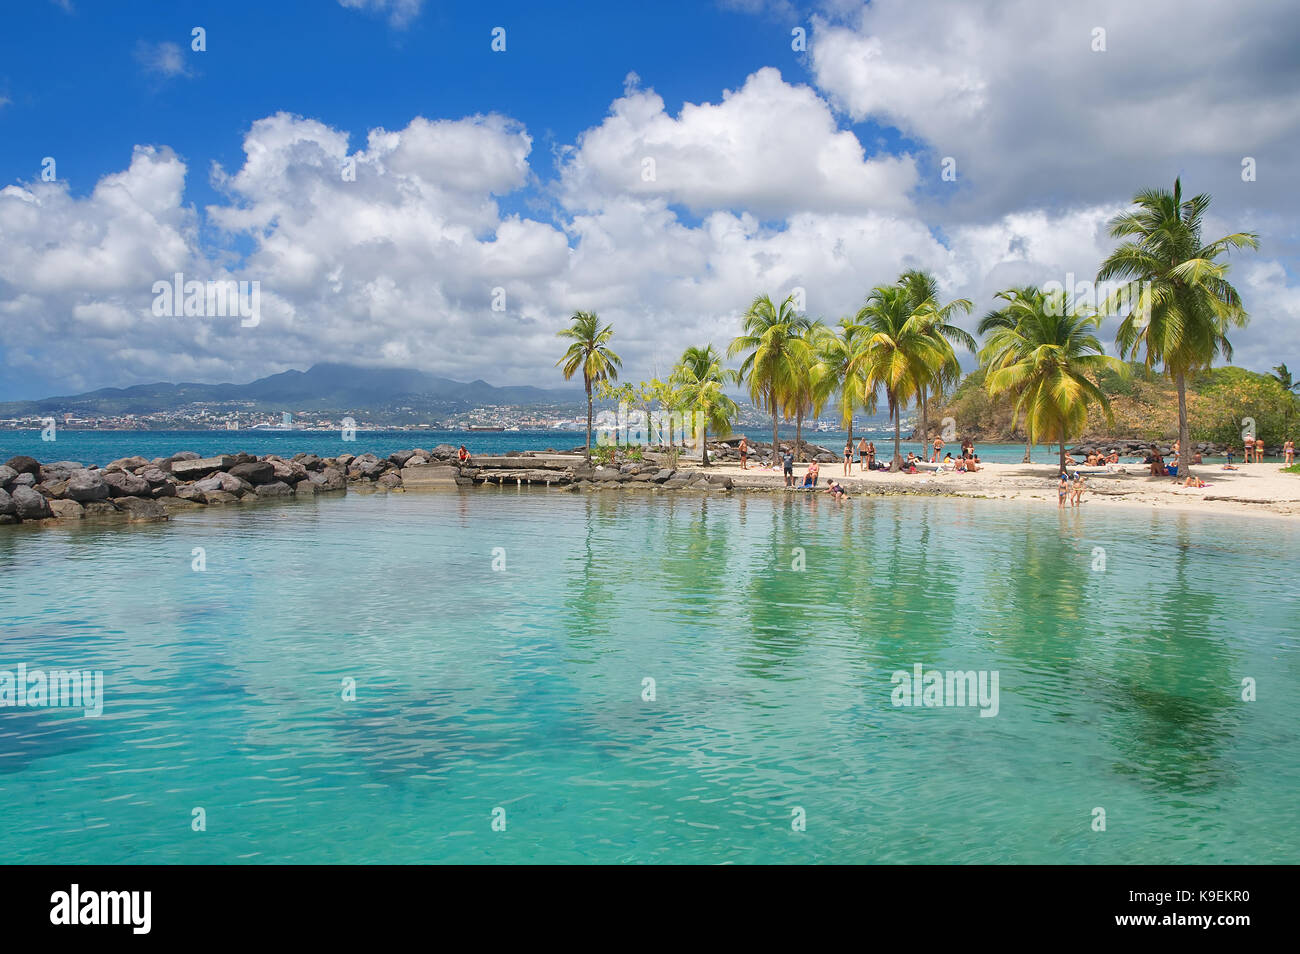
[938, 449]
[848, 458]
[1259, 450]
[1288, 452]
[871, 455]
[862, 453]
[1062, 488]
[743, 447]
[787, 465]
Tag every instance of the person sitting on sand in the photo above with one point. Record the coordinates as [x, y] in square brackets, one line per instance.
[1114, 456]
[947, 458]
[810, 477]
[1091, 460]
[462, 456]
[961, 465]
[1157, 463]
[1070, 461]
[743, 447]
[972, 463]
[1192, 481]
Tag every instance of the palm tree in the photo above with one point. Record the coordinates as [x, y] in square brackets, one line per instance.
[801, 397]
[1043, 357]
[1282, 375]
[923, 296]
[701, 382]
[590, 351]
[1008, 317]
[1183, 304]
[840, 372]
[902, 354]
[773, 338]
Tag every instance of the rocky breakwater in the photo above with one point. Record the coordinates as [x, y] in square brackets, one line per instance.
[146, 490]
[1131, 447]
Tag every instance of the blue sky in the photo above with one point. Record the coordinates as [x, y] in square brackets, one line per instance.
[525, 170]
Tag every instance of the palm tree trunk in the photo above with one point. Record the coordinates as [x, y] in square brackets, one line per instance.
[897, 463]
[851, 444]
[925, 429]
[588, 383]
[1063, 452]
[776, 447]
[1026, 460]
[1184, 437]
[798, 435]
[704, 445]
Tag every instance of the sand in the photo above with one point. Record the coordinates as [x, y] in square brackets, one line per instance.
[1254, 490]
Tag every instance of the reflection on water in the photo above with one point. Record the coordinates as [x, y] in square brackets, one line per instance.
[768, 628]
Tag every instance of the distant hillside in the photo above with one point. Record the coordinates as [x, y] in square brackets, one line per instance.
[1145, 406]
[323, 388]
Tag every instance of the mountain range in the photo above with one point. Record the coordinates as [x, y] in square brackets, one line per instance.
[321, 388]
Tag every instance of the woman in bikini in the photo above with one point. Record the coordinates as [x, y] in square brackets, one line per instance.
[848, 457]
[1288, 452]
[871, 456]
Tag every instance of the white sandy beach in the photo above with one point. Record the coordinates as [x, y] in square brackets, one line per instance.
[1254, 489]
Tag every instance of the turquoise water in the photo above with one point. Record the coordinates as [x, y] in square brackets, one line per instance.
[101, 447]
[522, 688]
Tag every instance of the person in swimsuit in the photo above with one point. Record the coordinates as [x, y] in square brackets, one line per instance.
[1062, 488]
[862, 453]
[1080, 485]
[871, 456]
[787, 465]
[462, 456]
[1288, 452]
[938, 448]
[1248, 451]
[848, 458]
[810, 478]
[743, 447]
[1259, 450]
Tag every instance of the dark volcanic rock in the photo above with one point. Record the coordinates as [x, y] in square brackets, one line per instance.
[401, 457]
[389, 481]
[29, 504]
[7, 474]
[139, 510]
[443, 452]
[7, 506]
[123, 484]
[191, 492]
[24, 465]
[85, 486]
[23, 480]
[257, 472]
[276, 488]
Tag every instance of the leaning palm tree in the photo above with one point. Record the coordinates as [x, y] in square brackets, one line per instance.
[773, 343]
[840, 372]
[1182, 304]
[701, 383]
[901, 352]
[589, 352]
[923, 297]
[1044, 358]
[1008, 317]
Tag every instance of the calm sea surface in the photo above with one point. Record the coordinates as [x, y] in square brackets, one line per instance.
[526, 688]
[100, 447]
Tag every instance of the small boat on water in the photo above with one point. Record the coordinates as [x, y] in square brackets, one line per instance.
[484, 427]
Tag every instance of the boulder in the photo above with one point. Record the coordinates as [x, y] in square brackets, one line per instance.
[99, 508]
[7, 474]
[140, 510]
[331, 478]
[443, 452]
[191, 492]
[309, 461]
[166, 489]
[345, 460]
[183, 455]
[155, 475]
[52, 488]
[223, 481]
[86, 485]
[128, 463]
[124, 484]
[217, 497]
[7, 506]
[200, 467]
[277, 488]
[399, 458]
[389, 481]
[289, 471]
[23, 480]
[23, 464]
[663, 475]
[67, 509]
[60, 470]
[29, 505]
[257, 472]
[176, 504]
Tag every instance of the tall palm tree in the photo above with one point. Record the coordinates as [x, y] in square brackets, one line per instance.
[1181, 318]
[801, 397]
[591, 353]
[773, 343]
[902, 353]
[923, 297]
[1044, 358]
[840, 372]
[1008, 317]
[701, 386]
